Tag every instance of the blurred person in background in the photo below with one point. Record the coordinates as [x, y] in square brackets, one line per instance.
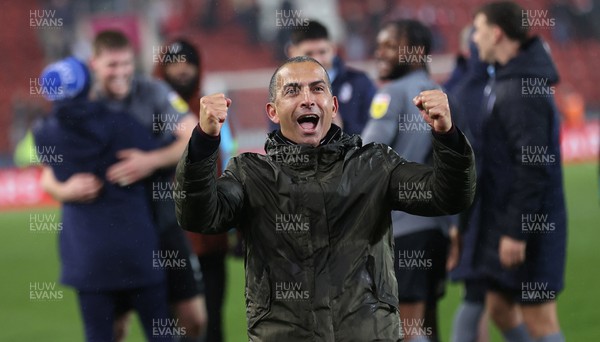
[467, 88]
[58, 42]
[357, 45]
[523, 223]
[148, 101]
[402, 54]
[352, 87]
[283, 36]
[107, 243]
[461, 63]
[247, 15]
[182, 70]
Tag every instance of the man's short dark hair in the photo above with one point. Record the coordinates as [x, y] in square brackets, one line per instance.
[415, 33]
[508, 16]
[110, 40]
[299, 59]
[313, 31]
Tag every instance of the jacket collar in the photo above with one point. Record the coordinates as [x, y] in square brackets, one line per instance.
[332, 147]
[533, 60]
[333, 134]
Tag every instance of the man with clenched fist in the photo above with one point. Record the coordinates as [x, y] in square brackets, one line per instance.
[315, 211]
[403, 54]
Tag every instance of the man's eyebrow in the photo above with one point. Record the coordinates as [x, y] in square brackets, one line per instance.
[298, 85]
[312, 84]
[292, 84]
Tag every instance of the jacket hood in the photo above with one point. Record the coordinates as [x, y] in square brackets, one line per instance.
[533, 60]
[333, 147]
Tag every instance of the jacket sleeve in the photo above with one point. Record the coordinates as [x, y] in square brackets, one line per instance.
[446, 188]
[205, 204]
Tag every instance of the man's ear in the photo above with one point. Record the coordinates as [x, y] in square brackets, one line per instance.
[272, 112]
[497, 32]
[335, 107]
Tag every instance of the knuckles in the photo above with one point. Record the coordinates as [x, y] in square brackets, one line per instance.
[213, 106]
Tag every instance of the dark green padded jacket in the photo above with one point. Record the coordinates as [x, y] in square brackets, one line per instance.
[317, 229]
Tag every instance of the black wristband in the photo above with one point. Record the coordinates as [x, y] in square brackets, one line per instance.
[202, 145]
[451, 139]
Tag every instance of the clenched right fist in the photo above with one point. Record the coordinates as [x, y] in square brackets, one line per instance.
[213, 112]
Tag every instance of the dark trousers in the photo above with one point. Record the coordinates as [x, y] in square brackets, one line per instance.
[100, 309]
[213, 275]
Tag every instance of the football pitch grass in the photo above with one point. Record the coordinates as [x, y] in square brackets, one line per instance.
[28, 257]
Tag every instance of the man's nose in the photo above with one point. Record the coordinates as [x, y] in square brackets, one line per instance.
[120, 69]
[308, 98]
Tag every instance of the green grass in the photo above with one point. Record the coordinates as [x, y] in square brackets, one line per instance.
[27, 257]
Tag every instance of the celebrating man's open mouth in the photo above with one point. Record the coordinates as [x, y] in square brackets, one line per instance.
[308, 122]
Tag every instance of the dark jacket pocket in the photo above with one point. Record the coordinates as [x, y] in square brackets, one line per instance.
[258, 300]
[381, 291]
